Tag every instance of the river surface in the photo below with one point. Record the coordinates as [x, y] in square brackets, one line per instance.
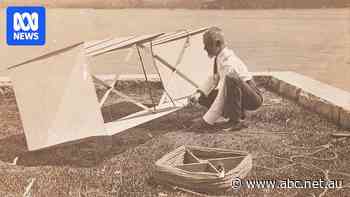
[315, 42]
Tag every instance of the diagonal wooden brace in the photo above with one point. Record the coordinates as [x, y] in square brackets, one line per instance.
[105, 96]
[112, 89]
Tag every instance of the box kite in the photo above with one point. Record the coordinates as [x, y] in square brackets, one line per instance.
[56, 95]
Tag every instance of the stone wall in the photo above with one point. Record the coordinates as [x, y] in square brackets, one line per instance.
[328, 101]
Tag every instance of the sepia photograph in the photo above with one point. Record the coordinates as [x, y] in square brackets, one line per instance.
[174, 98]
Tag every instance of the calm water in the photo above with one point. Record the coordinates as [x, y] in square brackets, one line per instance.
[312, 42]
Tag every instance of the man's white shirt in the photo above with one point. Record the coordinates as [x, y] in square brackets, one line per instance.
[227, 62]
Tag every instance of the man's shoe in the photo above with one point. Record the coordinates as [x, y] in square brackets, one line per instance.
[235, 125]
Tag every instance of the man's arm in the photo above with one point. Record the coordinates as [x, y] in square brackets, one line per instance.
[234, 66]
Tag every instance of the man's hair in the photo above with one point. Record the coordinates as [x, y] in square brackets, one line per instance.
[214, 34]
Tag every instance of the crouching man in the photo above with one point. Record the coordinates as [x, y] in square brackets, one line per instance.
[231, 89]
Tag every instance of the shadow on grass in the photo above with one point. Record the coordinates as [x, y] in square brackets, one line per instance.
[83, 153]
[87, 152]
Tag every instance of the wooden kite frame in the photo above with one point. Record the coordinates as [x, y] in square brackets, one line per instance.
[154, 40]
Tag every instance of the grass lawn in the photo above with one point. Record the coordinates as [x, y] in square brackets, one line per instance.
[285, 140]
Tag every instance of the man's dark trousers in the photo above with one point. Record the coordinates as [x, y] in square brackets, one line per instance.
[239, 96]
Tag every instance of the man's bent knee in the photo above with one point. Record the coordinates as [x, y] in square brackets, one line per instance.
[253, 103]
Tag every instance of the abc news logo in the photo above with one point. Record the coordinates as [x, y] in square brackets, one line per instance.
[26, 25]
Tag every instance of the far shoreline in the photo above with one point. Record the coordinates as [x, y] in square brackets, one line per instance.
[178, 9]
[102, 7]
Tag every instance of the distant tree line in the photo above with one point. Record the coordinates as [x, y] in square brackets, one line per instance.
[190, 4]
[239, 4]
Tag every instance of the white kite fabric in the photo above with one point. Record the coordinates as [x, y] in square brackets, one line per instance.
[57, 99]
[57, 103]
[189, 59]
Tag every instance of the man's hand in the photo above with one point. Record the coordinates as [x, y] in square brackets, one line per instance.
[234, 75]
[195, 97]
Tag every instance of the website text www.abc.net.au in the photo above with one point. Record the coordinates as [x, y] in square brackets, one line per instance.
[238, 183]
